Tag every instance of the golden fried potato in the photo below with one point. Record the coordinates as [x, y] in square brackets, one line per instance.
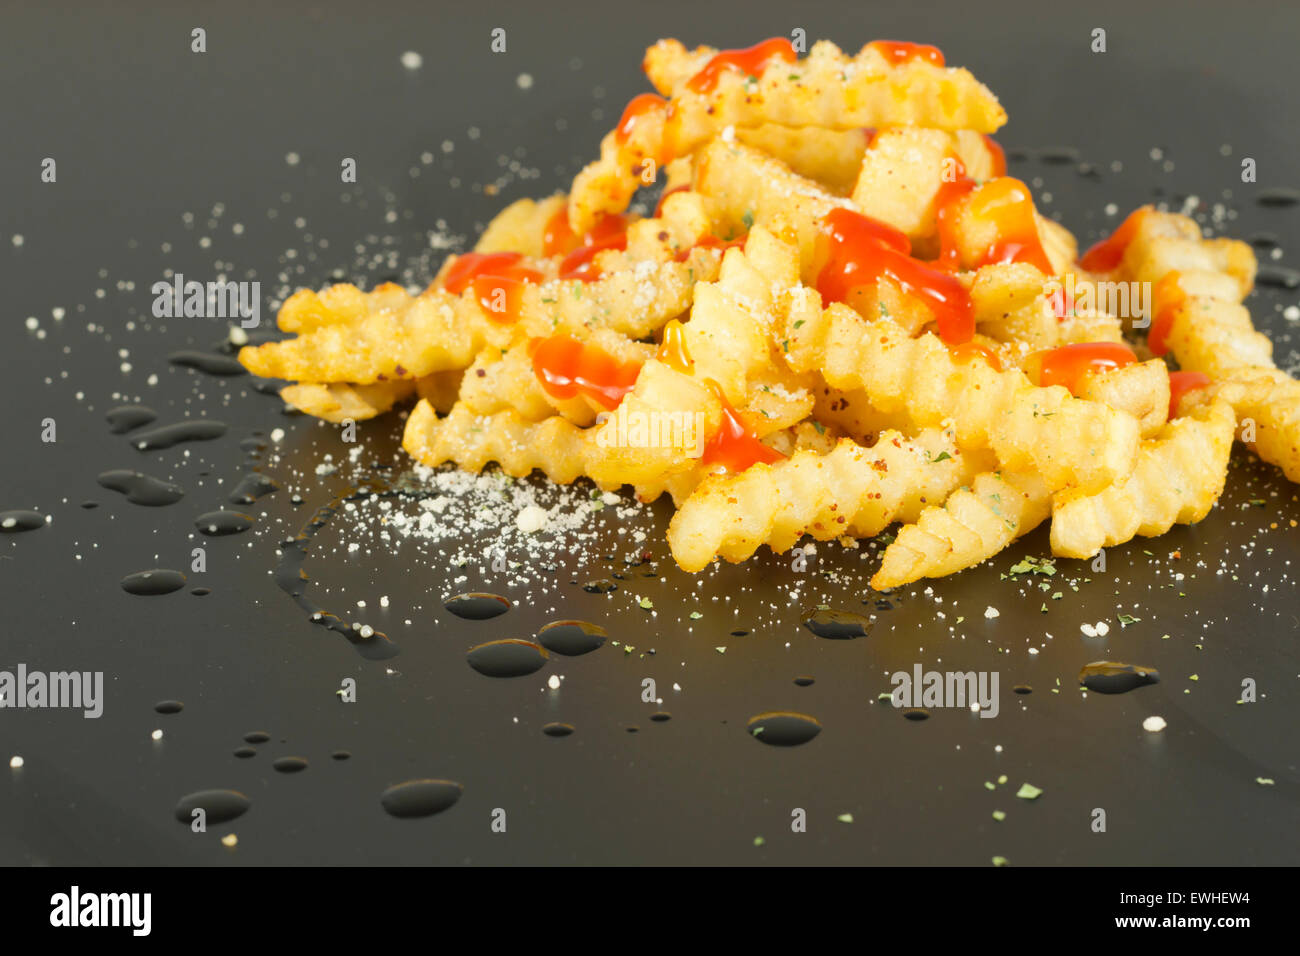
[1070, 442]
[520, 227]
[1178, 476]
[971, 526]
[552, 446]
[1141, 389]
[850, 491]
[340, 401]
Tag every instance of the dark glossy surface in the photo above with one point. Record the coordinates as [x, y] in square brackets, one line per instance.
[145, 132]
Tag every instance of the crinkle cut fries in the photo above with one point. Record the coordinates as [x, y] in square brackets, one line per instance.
[842, 314]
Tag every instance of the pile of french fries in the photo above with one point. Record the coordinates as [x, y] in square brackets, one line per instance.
[841, 315]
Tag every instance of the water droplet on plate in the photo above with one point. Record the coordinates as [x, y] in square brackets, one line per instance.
[12, 522]
[153, 583]
[124, 418]
[208, 362]
[420, 798]
[1108, 677]
[221, 523]
[783, 728]
[477, 605]
[508, 658]
[141, 489]
[571, 638]
[837, 625]
[199, 429]
[218, 805]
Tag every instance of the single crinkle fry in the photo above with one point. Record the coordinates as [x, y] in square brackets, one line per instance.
[1178, 476]
[851, 490]
[552, 446]
[972, 525]
[341, 401]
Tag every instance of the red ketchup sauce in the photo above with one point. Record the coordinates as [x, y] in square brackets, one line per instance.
[751, 61]
[733, 447]
[1170, 297]
[1180, 383]
[898, 52]
[1107, 254]
[568, 368]
[1069, 364]
[863, 250]
[497, 279]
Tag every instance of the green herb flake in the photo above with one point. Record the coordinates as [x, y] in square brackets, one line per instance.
[1028, 791]
[999, 815]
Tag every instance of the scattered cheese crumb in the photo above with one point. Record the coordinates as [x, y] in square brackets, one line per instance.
[531, 518]
[1153, 725]
[991, 612]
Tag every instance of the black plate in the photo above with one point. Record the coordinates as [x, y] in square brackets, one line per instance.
[146, 132]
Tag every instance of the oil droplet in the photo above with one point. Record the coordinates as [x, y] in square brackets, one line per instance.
[783, 728]
[207, 362]
[199, 429]
[341, 755]
[420, 798]
[557, 729]
[289, 764]
[12, 522]
[1023, 689]
[252, 487]
[916, 713]
[508, 658]
[124, 418]
[1278, 196]
[1277, 277]
[603, 586]
[141, 489]
[169, 707]
[477, 605]
[661, 716]
[221, 523]
[153, 583]
[1108, 677]
[218, 805]
[291, 578]
[1058, 155]
[243, 753]
[256, 737]
[837, 625]
[571, 638]
[804, 680]
[200, 592]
